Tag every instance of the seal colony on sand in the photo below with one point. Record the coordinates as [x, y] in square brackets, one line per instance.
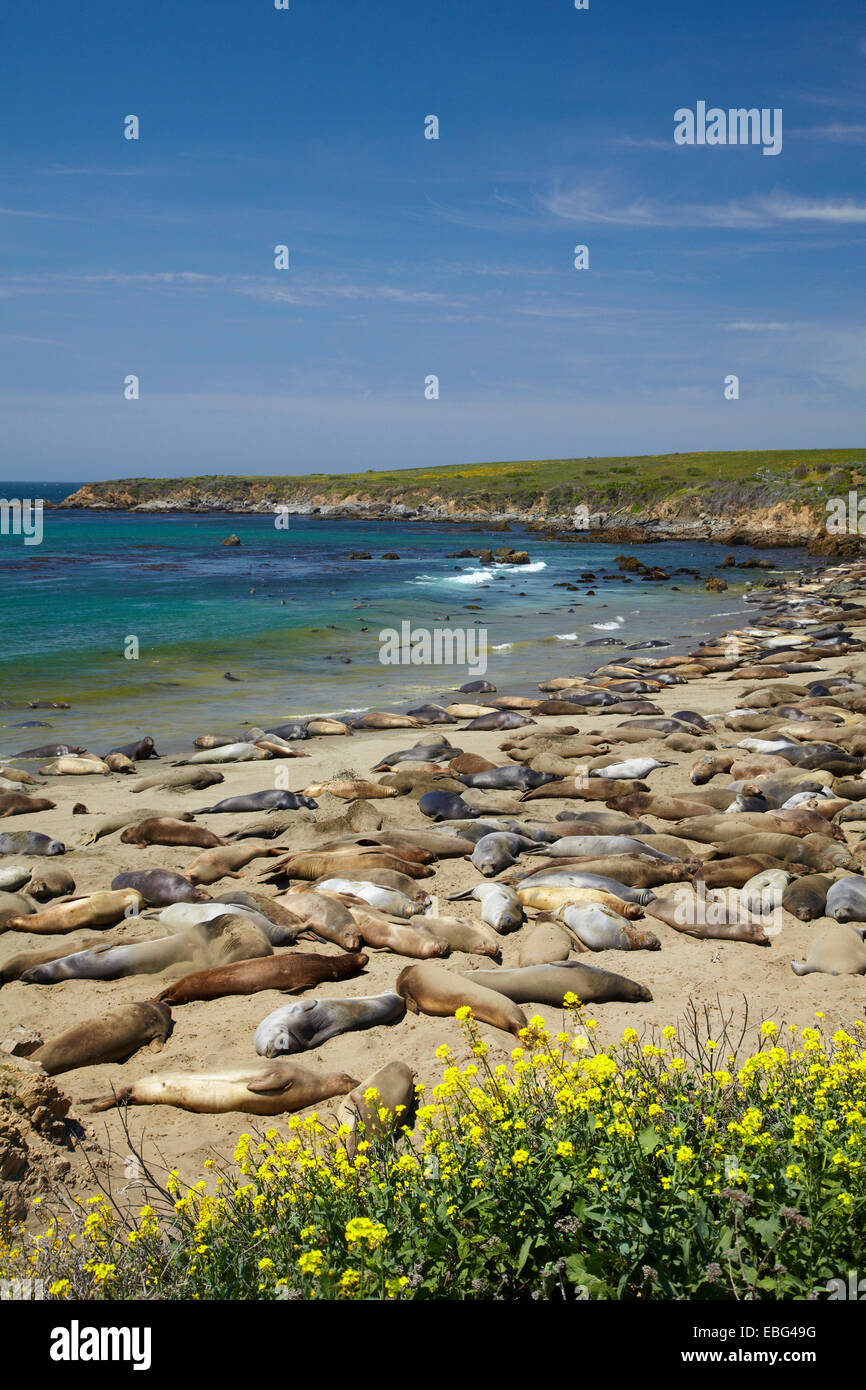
[626, 843]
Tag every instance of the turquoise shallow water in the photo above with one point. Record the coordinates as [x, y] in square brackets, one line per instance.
[285, 610]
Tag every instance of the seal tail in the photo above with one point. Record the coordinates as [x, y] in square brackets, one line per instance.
[112, 1102]
[459, 897]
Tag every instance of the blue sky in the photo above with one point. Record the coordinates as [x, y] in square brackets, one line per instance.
[412, 257]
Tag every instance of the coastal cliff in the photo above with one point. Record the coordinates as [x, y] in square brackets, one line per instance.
[771, 498]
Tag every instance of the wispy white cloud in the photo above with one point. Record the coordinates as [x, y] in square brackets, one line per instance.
[587, 203]
[745, 326]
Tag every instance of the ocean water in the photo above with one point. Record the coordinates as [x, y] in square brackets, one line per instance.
[297, 623]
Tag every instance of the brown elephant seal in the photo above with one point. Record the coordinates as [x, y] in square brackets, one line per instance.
[549, 984]
[474, 938]
[430, 988]
[165, 830]
[384, 935]
[180, 779]
[736, 871]
[806, 897]
[161, 887]
[290, 971]
[708, 919]
[50, 882]
[469, 762]
[276, 1088]
[111, 1037]
[380, 1104]
[96, 910]
[307, 1023]
[382, 719]
[19, 804]
[350, 789]
[311, 865]
[225, 861]
[15, 905]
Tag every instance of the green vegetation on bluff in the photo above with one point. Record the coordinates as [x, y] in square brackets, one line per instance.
[691, 482]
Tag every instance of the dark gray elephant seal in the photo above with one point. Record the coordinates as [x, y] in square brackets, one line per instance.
[444, 806]
[293, 730]
[138, 752]
[549, 984]
[478, 688]
[52, 750]
[498, 851]
[110, 1037]
[162, 887]
[846, 900]
[29, 842]
[806, 897]
[260, 801]
[306, 1023]
[107, 962]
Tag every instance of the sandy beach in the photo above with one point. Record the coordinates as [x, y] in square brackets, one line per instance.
[684, 973]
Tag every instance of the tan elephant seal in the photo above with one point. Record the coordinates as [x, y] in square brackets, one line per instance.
[165, 830]
[475, 938]
[382, 934]
[226, 860]
[53, 881]
[549, 984]
[276, 1087]
[430, 988]
[544, 943]
[96, 910]
[110, 1037]
[839, 950]
[382, 1103]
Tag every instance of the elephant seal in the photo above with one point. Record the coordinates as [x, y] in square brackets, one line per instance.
[764, 891]
[708, 919]
[14, 877]
[51, 750]
[499, 719]
[501, 907]
[838, 950]
[846, 900]
[493, 853]
[598, 928]
[474, 938]
[325, 917]
[514, 777]
[165, 830]
[161, 887]
[73, 765]
[351, 789]
[229, 753]
[119, 762]
[389, 900]
[445, 805]
[582, 846]
[549, 984]
[15, 905]
[96, 910]
[50, 882]
[806, 897]
[226, 930]
[404, 940]
[276, 1089]
[568, 877]
[137, 752]
[544, 942]
[19, 804]
[109, 825]
[13, 967]
[179, 780]
[380, 1104]
[29, 842]
[633, 769]
[272, 800]
[105, 961]
[111, 1037]
[291, 971]
[225, 861]
[430, 988]
[308, 1023]
[381, 719]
